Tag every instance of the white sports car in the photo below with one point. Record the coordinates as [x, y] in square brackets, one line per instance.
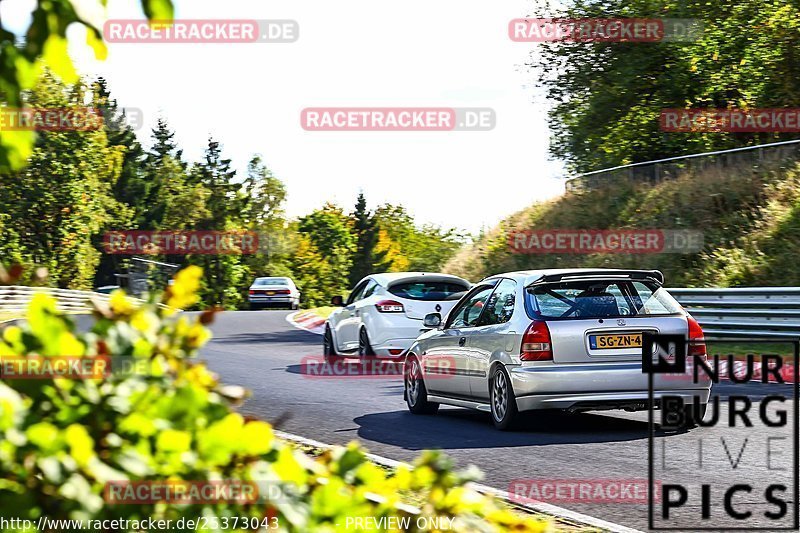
[384, 312]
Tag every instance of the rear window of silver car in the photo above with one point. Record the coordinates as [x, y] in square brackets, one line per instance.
[271, 281]
[428, 290]
[600, 299]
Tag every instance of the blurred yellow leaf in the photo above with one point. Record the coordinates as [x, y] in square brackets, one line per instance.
[56, 57]
[173, 441]
[81, 445]
[95, 39]
[257, 438]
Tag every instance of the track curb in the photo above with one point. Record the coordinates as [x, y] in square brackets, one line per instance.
[307, 320]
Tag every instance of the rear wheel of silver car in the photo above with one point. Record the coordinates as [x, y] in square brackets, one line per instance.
[416, 394]
[502, 400]
[364, 347]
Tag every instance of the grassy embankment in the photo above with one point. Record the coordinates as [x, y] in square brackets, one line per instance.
[750, 219]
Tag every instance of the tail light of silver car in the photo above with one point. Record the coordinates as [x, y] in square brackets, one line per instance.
[276, 291]
[389, 306]
[536, 343]
[697, 341]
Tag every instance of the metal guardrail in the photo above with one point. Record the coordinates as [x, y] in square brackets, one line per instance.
[757, 312]
[669, 168]
[15, 298]
[767, 312]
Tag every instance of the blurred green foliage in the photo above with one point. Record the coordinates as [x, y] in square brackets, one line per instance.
[44, 45]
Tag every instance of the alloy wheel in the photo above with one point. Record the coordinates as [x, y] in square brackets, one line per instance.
[499, 396]
[412, 382]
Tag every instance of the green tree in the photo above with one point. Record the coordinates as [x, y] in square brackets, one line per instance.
[608, 97]
[63, 200]
[225, 274]
[264, 214]
[366, 235]
[132, 189]
[330, 231]
[426, 248]
[312, 273]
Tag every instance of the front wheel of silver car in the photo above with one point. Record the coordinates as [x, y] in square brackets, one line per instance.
[415, 393]
[502, 400]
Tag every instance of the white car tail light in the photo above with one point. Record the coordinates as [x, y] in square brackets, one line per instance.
[536, 343]
[389, 306]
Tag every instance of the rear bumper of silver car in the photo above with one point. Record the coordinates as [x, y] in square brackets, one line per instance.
[270, 299]
[599, 386]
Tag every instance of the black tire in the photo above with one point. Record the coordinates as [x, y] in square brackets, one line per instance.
[414, 391]
[328, 350]
[502, 400]
[256, 307]
[364, 347]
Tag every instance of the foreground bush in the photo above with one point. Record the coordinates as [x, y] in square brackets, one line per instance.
[62, 440]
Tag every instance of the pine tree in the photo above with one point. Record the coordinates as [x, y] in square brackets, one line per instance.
[132, 188]
[365, 231]
[225, 205]
[164, 145]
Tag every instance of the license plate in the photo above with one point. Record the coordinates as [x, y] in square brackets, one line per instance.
[270, 293]
[615, 342]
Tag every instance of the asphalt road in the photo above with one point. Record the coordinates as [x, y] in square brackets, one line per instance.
[263, 352]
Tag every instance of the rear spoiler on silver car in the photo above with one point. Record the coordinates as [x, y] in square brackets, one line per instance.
[652, 275]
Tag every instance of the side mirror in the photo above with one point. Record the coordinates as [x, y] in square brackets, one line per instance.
[337, 301]
[432, 320]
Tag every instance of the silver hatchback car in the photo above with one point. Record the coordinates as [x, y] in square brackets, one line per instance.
[552, 339]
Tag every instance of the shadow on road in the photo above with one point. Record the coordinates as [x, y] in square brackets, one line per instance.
[293, 336]
[461, 429]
